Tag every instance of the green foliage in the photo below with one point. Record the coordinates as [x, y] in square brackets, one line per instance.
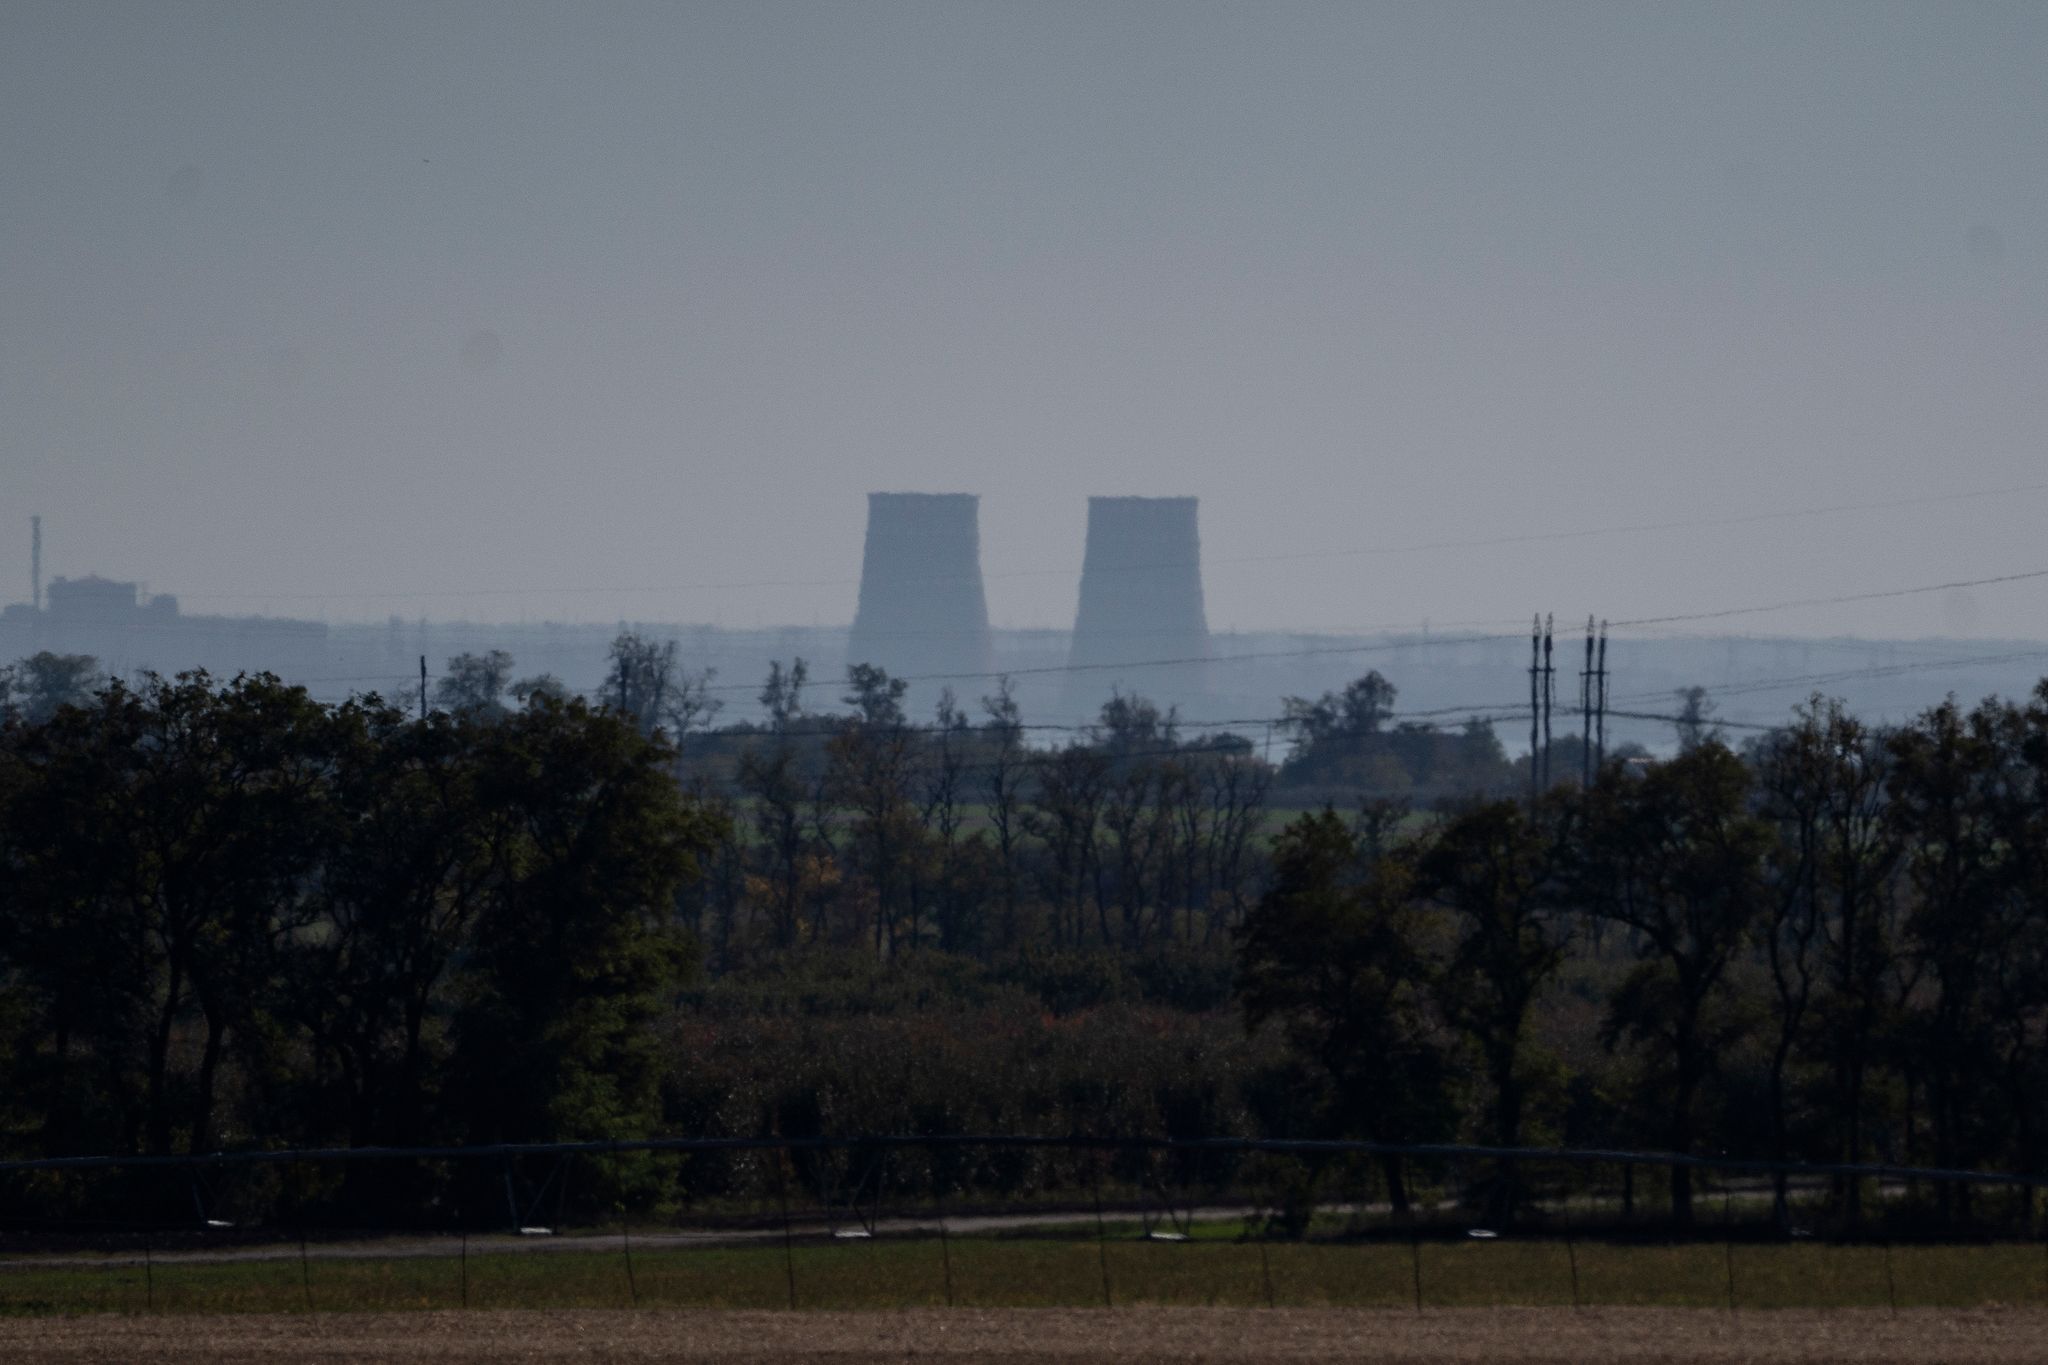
[1004, 1066]
[1495, 868]
[234, 914]
[574, 954]
[1344, 743]
[1675, 859]
[34, 689]
[230, 915]
[474, 685]
[1333, 953]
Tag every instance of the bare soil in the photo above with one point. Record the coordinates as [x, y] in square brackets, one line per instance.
[1062, 1336]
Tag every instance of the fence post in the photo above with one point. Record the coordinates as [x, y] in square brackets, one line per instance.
[1571, 1252]
[148, 1272]
[1101, 1234]
[626, 1242]
[1891, 1288]
[1415, 1261]
[1728, 1241]
[788, 1237]
[305, 1270]
[939, 1204]
[465, 1268]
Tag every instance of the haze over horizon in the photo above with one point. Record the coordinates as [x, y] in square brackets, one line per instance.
[510, 312]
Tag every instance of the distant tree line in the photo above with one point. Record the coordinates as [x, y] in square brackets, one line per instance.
[230, 915]
[1831, 946]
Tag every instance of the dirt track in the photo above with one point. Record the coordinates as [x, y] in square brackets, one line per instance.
[1027, 1336]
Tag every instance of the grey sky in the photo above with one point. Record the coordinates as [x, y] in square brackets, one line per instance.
[597, 303]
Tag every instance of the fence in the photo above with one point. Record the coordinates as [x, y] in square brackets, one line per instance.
[994, 1220]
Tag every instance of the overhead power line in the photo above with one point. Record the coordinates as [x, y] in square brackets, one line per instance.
[1872, 671]
[1410, 644]
[1835, 600]
[1440, 641]
[1346, 552]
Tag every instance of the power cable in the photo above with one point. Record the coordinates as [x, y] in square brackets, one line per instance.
[1414, 547]
[1836, 600]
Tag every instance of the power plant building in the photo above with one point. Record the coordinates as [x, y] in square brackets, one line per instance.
[126, 630]
[1140, 624]
[922, 609]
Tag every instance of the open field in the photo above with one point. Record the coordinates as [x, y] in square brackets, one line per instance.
[1035, 1272]
[1128, 1336]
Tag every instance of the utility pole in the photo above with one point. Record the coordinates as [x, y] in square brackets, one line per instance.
[423, 688]
[35, 561]
[1586, 714]
[1549, 696]
[1535, 707]
[1600, 698]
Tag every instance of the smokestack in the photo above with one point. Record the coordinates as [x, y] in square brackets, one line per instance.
[922, 610]
[35, 561]
[1141, 598]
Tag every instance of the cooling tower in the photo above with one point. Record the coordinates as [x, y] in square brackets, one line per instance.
[1141, 599]
[921, 606]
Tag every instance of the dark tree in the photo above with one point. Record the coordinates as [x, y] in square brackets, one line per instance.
[416, 856]
[782, 695]
[32, 689]
[943, 794]
[1692, 723]
[646, 684]
[575, 952]
[1359, 710]
[474, 684]
[1496, 869]
[1825, 927]
[160, 850]
[1065, 815]
[1675, 858]
[1944, 788]
[1006, 772]
[1333, 953]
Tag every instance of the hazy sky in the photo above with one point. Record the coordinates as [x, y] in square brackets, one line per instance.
[520, 310]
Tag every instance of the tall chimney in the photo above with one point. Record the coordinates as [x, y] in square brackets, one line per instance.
[1141, 599]
[35, 561]
[922, 610]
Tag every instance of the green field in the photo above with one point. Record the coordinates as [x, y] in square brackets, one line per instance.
[1053, 1272]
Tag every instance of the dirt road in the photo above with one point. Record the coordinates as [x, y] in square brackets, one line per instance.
[1049, 1337]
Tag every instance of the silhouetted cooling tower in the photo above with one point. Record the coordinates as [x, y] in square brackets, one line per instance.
[921, 605]
[1141, 597]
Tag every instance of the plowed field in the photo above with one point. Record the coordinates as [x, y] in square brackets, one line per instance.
[1065, 1336]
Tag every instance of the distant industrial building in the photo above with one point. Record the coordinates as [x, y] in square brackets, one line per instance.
[1140, 626]
[128, 630]
[1141, 601]
[922, 613]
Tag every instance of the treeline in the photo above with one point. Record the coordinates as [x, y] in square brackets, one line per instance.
[970, 832]
[861, 827]
[230, 915]
[1832, 946]
[964, 837]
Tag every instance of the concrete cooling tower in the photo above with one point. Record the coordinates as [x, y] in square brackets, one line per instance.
[922, 610]
[1141, 599]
